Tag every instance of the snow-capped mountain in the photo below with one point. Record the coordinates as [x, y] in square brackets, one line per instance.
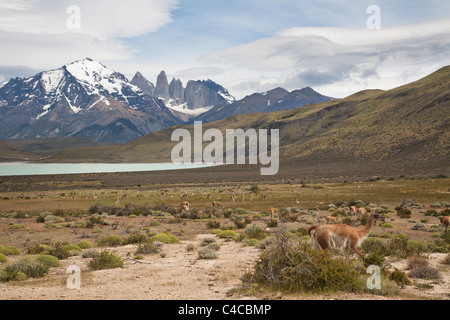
[83, 98]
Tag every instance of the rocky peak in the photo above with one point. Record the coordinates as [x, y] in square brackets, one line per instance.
[176, 91]
[140, 81]
[162, 86]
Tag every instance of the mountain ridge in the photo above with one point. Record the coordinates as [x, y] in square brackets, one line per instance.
[404, 125]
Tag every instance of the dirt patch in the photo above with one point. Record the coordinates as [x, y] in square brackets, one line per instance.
[178, 276]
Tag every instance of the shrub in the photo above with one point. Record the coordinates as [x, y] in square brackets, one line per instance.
[255, 232]
[58, 251]
[207, 253]
[240, 224]
[190, 247]
[425, 272]
[165, 238]
[149, 247]
[227, 234]
[213, 246]
[51, 219]
[29, 267]
[375, 258]
[446, 259]
[419, 226]
[388, 288]
[48, 261]
[213, 224]
[403, 212]
[105, 260]
[298, 268]
[207, 241]
[89, 253]
[431, 212]
[387, 225]
[155, 224]
[16, 226]
[71, 247]
[416, 261]
[9, 273]
[272, 223]
[111, 241]
[85, 244]
[136, 238]
[78, 224]
[9, 251]
[400, 278]
[252, 242]
[3, 258]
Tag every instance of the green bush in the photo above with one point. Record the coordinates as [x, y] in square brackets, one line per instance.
[149, 247]
[78, 224]
[206, 241]
[111, 241]
[9, 251]
[89, 253]
[165, 238]
[85, 244]
[29, 267]
[51, 219]
[272, 223]
[227, 234]
[213, 224]
[3, 258]
[387, 225]
[155, 224]
[207, 253]
[16, 226]
[105, 260]
[136, 238]
[419, 226]
[255, 232]
[400, 278]
[296, 267]
[403, 212]
[57, 250]
[48, 261]
[71, 247]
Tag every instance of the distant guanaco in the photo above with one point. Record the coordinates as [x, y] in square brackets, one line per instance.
[445, 221]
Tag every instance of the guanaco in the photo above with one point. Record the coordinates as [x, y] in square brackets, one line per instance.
[445, 221]
[341, 236]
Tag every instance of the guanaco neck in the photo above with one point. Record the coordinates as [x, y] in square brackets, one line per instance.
[368, 227]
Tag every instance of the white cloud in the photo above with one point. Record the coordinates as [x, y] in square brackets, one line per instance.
[339, 60]
[35, 33]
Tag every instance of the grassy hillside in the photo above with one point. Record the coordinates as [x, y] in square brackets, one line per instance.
[50, 146]
[409, 123]
[8, 153]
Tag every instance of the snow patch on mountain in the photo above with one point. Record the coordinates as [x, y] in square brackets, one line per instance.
[50, 80]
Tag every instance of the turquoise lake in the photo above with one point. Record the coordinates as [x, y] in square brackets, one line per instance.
[25, 169]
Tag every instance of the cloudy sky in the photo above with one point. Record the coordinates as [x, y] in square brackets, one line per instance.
[245, 45]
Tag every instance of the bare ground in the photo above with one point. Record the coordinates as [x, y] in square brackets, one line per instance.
[178, 276]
